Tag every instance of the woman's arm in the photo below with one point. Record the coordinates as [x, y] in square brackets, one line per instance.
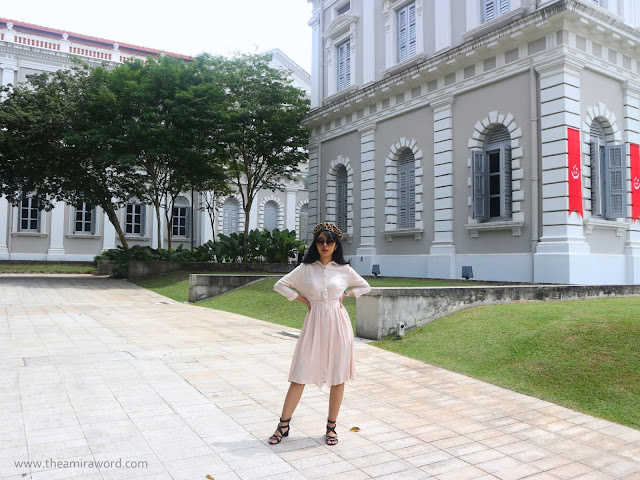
[360, 284]
[286, 284]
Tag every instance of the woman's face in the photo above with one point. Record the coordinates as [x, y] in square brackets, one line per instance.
[325, 246]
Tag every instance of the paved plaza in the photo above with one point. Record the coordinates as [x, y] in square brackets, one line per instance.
[98, 370]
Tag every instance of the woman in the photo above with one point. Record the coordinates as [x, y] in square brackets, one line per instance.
[324, 352]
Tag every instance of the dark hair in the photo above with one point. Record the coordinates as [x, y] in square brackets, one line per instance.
[313, 255]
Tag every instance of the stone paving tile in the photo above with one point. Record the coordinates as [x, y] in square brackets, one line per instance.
[96, 368]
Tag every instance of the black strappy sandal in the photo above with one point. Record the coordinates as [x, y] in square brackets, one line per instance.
[278, 438]
[331, 440]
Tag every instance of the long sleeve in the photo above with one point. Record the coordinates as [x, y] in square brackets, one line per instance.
[291, 279]
[360, 284]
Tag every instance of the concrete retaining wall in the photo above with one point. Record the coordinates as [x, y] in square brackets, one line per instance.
[203, 286]
[378, 312]
[140, 270]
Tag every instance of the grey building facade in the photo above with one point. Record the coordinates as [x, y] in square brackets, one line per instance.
[440, 136]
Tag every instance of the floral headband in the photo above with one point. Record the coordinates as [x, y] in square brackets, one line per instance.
[331, 227]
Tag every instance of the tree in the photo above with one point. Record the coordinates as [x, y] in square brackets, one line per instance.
[58, 137]
[173, 112]
[264, 140]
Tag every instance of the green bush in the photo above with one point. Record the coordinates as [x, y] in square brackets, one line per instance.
[275, 246]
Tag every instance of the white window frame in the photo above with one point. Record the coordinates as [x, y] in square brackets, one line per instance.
[339, 31]
[92, 222]
[181, 203]
[30, 200]
[497, 9]
[343, 58]
[390, 12]
[142, 212]
[600, 155]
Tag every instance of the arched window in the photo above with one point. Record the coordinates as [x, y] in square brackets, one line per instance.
[608, 175]
[230, 216]
[492, 177]
[341, 198]
[270, 215]
[181, 222]
[304, 222]
[406, 189]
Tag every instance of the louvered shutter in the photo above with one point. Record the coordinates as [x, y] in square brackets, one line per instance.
[187, 215]
[488, 10]
[402, 34]
[411, 17]
[270, 216]
[94, 214]
[615, 181]
[480, 185]
[406, 190]
[344, 65]
[341, 198]
[508, 168]
[504, 6]
[303, 222]
[344, 9]
[595, 149]
[143, 219]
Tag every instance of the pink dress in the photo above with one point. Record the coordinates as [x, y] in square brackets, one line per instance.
[324, 352]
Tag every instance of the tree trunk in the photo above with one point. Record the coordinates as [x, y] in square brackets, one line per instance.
[247, 212]
[113, 218]
[157, 208]
[168, 210]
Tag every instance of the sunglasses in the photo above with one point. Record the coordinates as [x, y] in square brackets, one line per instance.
[323, 241]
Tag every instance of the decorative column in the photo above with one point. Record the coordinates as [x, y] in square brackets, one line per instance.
[443, 24]
[632, 135]
[367, 248]
[316, 55]
[442, 259]
[562, 255]
[56, 236]
[4, 222]
[109, 234]
[368, 42]
[314, 210]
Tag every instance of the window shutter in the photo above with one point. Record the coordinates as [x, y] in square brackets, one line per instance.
[347, 65]
[341, 198]
[143, 220]
[187, 214]
[480, 185]
[615, 181]
[270, 215]
[488, 10]
[344, 65]
[508, 168]
[344, 9]
[303, 222]
[504, 6]
[412, 29]
[402, 34]
[94, 214]
[595, 157]
[406, 190]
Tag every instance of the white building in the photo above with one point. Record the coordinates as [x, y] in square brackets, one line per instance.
[442, 132]
[78, 233]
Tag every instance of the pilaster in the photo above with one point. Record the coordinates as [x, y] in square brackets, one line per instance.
[562, 255]
[56, 236]
[316, 56]
[314, 212]
[631, 94]
[4, 223]
[367, 191]
[368, 42]
[442, 252]
[443, 24]
[290, 216]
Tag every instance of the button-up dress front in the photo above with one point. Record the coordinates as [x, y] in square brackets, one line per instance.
[325, 350]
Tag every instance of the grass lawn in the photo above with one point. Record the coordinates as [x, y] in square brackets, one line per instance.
[39, 268]
[579, 354]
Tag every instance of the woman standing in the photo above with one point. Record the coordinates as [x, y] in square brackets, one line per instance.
[324, 352]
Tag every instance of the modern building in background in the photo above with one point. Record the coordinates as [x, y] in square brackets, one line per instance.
[442, 132]
[79, 232]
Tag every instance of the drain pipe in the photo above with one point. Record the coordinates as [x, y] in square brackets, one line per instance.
[535, 179]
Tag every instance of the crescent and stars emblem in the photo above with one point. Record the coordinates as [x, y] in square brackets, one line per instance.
[575, 172]
[636, 183]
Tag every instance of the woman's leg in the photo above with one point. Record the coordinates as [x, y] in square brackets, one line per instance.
[290, 403]
[335, 401]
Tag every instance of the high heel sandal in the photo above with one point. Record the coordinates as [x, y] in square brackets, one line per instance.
[278, 438]
[331, 440]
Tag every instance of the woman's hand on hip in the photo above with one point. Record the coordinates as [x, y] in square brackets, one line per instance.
[302, 299]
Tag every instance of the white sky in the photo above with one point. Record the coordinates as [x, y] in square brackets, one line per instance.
[181, 26]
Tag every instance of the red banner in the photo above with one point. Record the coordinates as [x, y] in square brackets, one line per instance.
[575, 172]
[635, 182]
